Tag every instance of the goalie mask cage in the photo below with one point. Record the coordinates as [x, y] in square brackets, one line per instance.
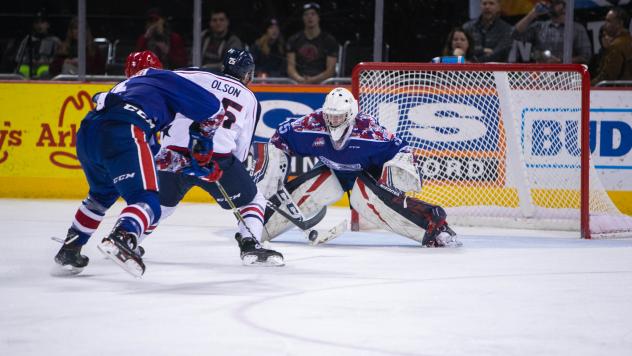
[496, 144]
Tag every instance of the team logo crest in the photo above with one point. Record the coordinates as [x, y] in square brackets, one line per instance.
[319, 142]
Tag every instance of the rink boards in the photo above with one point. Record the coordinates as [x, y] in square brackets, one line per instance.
[40, 120]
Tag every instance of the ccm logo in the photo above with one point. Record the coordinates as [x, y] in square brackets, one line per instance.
[140, 113]
[124, 176]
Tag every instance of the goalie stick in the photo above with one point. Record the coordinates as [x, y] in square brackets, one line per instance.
[304, 225]
[296, 217]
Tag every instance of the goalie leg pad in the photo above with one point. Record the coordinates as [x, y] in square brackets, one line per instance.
[311, 192]
[269, 169]
[396, 212]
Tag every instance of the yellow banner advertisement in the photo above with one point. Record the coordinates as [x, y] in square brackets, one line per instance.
[37, 139]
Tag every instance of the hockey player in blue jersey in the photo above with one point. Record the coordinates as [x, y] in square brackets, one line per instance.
[113, 148]
[357, 155]
[231, 144]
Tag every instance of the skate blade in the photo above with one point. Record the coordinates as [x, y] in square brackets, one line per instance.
[272, 261]
[57, 239]
[451, 242]
[454, 244]
[447, 245]
[129, 265]
[65, 271]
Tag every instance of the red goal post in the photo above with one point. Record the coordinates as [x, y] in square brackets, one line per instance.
[496, 144]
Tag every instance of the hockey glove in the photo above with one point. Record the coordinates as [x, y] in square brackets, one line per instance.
[210, 173]
[200, 144]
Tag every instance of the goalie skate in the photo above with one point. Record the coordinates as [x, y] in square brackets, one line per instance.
[441, 236]
[253, 254]
[119, 247]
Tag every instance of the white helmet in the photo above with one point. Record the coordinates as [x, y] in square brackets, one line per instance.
[339, 111]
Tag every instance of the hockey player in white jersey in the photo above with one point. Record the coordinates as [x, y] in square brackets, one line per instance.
[357, 154]
[183, 163]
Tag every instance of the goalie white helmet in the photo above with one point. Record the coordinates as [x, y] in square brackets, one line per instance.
[339, 110]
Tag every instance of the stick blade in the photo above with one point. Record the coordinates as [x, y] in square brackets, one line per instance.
[331, 234]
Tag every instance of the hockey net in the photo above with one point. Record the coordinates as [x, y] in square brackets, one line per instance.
[497, 144]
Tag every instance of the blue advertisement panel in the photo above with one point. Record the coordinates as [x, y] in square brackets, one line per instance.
[277, 106]
[459, 126]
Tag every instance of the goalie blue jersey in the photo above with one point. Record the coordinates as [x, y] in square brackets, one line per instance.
[152, 98]
[369, 146]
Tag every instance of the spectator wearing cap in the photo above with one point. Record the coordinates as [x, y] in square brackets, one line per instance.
[311, 53]
[160, 39]
[616, 63]
[547, 36]
[269, 52]
[491, 35]
[218, 39]
[37, 50]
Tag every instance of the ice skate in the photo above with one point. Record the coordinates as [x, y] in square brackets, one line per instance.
[253, 254]
[441, 236]
[69, 259]
[139, 250]
[120, 247]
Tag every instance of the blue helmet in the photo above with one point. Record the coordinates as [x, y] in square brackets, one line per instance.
[239, 64]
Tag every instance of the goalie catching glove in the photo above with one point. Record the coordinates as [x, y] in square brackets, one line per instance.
[401, 173]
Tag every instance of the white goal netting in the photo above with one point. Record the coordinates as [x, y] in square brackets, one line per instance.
[497, 145]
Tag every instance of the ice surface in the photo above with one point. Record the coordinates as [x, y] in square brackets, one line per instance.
[369, 293]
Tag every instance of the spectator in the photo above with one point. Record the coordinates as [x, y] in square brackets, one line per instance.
[216, 40]
[491, 35]
[311, 53]
[617, 61]
[269, 52]
[604, 42]
[459, 43]
[547, 36]
[37, 50]
[66, 59]
[160, 39]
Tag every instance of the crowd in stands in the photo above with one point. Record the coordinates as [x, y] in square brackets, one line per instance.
[310, 55]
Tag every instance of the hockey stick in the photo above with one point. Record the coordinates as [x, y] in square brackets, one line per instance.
[303, 225]
[236, 212]
[295, 216]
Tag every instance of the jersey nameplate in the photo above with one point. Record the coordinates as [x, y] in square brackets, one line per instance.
[226, 88]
